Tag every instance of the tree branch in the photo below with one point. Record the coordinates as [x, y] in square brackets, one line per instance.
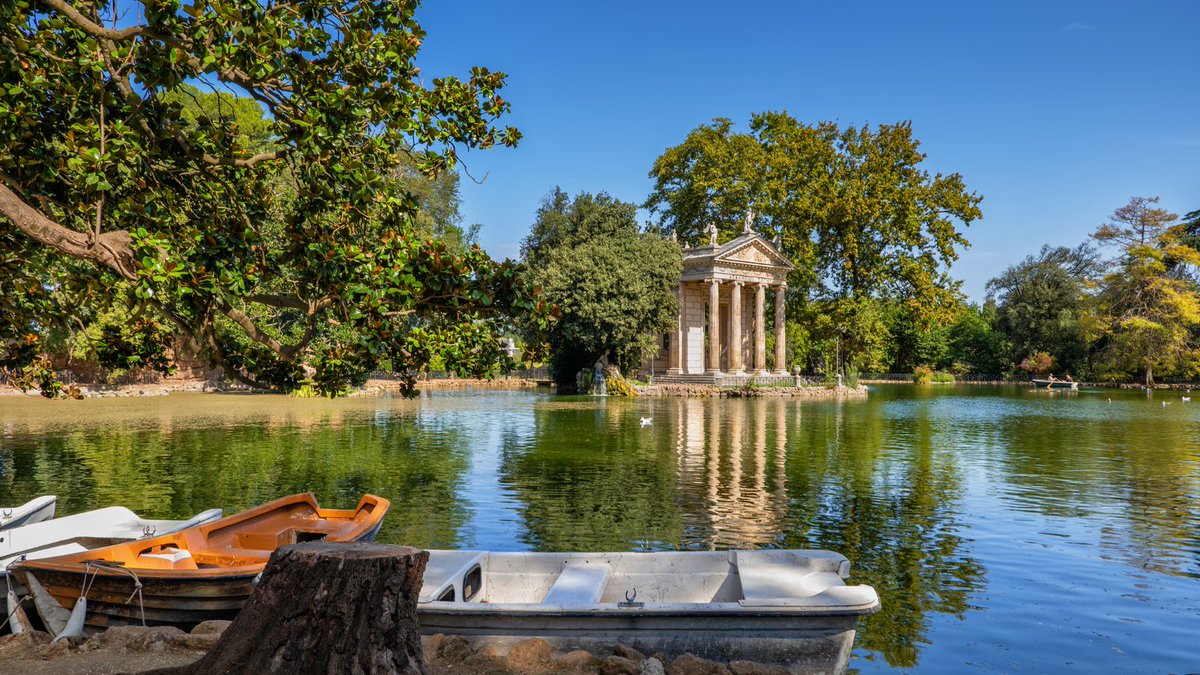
[111, 249]
[245, 162]
[252, 330]
[92, 28]
[309, 307]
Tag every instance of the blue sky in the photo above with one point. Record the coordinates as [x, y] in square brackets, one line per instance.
[1055, 112]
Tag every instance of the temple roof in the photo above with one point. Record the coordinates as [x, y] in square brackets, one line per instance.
[749, 253]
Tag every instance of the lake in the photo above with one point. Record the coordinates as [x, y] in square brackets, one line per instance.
[1005, 529]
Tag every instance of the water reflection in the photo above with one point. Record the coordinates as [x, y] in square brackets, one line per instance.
[981, 515]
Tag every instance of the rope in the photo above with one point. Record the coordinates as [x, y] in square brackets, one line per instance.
[137, 583]
[14, 612]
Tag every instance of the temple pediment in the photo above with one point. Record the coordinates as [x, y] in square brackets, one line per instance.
[756, 251]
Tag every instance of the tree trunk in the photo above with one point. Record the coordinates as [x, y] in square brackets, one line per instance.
[1149, 375]
[327, 608]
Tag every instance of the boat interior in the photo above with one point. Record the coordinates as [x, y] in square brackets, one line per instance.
[585, 579]
[244, 539]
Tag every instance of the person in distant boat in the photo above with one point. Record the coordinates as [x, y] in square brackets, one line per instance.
[1051, 378]
[1069, 378]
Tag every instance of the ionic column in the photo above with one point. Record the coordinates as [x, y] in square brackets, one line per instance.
[760, 329]
[675, 353]
[735, 328]
[780, 329]
[714, 327]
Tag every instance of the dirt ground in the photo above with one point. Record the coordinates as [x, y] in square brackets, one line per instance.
[134, 649]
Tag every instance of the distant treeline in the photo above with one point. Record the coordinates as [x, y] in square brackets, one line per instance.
[1124, 306]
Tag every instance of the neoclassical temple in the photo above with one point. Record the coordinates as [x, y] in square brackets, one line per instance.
[720, 334]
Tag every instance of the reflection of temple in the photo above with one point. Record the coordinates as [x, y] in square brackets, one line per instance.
[732, 470]
[719, 335]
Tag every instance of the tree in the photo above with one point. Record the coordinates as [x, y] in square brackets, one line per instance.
[1148, 313]
[913, 341]
[1044, 304]
[853, 209]
[612, 285]
[113, 170]
[976, 344]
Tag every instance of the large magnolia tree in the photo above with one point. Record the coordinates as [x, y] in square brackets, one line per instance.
[108, 177]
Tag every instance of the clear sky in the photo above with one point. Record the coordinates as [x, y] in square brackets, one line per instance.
[1055, 112]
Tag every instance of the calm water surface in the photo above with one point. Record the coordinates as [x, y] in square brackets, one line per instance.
[1006, 530]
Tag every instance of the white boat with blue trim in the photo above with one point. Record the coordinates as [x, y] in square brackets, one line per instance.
[782, 606]
[34, 511]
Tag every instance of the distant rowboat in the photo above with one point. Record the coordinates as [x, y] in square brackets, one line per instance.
[1055, 384]
[193, 575]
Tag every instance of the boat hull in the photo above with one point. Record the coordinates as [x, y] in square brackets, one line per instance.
[223, 557]
[813, 643]
[114, 601]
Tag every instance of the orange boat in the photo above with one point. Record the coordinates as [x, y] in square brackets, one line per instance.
[193, 575]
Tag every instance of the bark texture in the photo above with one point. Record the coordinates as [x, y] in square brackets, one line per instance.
[112, 249]
[327, 608]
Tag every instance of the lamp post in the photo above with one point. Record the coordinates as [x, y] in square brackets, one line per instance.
[841, 329]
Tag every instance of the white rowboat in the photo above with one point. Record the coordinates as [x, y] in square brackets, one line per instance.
[783, 606]
[33, 511]
[86, 531]
[75, 534]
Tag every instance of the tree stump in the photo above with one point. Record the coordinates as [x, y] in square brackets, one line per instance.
[327, 608]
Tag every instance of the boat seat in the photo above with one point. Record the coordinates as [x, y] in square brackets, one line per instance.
[774, 577]
[579, 583]
[166, 559]
[269, 541]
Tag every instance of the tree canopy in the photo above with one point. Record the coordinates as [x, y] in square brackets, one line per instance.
[852, 207]
[612, 285]
[113, 169]
[1044, 304]
[1149, 313]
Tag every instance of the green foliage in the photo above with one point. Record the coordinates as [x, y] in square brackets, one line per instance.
[617, 385]
[1045, 304]
[612, 285]
[140, 343]
[853, 208]
[1148, 314]
[927, 375]
[975, 344]
[851, 376]
[256, 238]
[915, 338]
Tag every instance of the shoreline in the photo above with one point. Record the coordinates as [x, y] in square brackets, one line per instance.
[709, 391]
[1171, 386]
[384, 387]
